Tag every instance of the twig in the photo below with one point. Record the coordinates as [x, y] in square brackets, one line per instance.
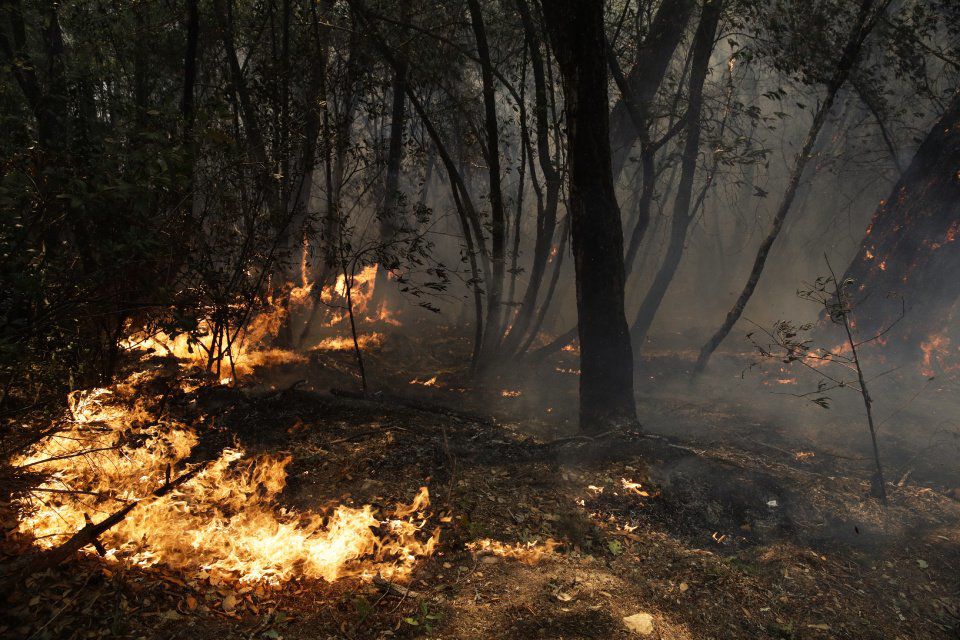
[395, 589]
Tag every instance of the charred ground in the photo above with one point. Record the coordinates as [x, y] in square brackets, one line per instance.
[713, 533]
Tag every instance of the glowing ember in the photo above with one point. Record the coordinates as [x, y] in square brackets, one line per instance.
[510, 393]
[224, 520]
[574, 372]
[529, 553]
[938, 356]
[633, 487]
[432, 382]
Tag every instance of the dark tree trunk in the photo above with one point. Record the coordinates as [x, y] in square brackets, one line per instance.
[576, 30]
[390, 217]
[498, 228]
[910, 248]
[547, 213]
[646, 76]
[682, 211]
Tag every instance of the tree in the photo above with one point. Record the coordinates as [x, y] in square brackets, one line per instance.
[867, 15]
[576, 31]
[910, 247]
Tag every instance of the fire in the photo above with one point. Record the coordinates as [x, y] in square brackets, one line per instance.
[338, 343]
[243, 351]
[937, 356]
[633, 487]
[571, 371]
[361, 292]
[432, 382]
[225, 520]
[527, 553]
[511, 393]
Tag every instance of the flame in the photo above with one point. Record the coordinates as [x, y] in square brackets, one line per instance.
[225, 520]
[361, 291]
[527, 553]
[511, 393]
[244, 350]
[633, 487]
[346, 343]
[432, 382]
[938, 356]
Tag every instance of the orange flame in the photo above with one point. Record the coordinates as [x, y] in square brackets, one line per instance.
[224, 520]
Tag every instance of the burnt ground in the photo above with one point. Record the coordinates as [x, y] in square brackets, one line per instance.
[739, 530]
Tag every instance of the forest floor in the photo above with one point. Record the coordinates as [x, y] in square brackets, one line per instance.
[717, 521]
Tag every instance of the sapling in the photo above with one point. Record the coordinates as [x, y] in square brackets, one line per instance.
[790, 344]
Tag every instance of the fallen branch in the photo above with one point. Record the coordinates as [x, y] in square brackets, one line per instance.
[89, 534]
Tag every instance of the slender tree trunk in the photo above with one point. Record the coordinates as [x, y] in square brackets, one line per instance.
[390, 215]
[497, 213]
[653, 59]
[547, 214]
[576, 29]
[846, 63]
[682, 210]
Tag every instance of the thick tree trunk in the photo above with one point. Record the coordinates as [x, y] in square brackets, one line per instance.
[910, 248]
[576, 29]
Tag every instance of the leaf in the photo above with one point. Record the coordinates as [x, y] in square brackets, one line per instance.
[229, 602]
[615, 547]
[922, 563]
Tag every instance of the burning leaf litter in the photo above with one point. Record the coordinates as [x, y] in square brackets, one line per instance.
[224, 520]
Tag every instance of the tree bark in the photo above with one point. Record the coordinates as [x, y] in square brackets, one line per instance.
[576, 30]
[910, 248]
[547, 214]
[646, 76]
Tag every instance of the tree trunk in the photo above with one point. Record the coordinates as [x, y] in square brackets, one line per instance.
[547, 212]
[645, 77]
[910, 248]
[390, 218]
[576, 29]
[498, 227]
[682, 211]
[847, 60]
